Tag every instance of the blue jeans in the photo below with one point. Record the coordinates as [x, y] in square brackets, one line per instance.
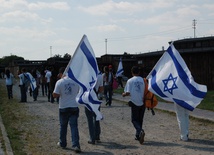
[35, 93]
[44, 89]
[93, 125]
[137, 114]
[23, 90]
[69, 115]
[108, 93]
[10, 91]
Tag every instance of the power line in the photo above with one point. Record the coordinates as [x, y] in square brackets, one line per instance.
[148, 34]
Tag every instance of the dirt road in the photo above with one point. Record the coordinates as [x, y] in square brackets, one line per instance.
[41, 132]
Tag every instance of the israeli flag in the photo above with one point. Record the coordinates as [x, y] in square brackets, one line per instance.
[120, 68]
[83, 69]
[32, 81]
[171, 80]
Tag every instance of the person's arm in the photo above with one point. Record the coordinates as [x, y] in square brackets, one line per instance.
[55, 95]
[56, 92]
[125, 94]
[100, 89]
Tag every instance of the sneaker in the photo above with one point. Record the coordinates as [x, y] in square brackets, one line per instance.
[107, 103]
[142, 135]
[185, 138]
[98, 140]
[137, 138]
[58, 144]
[76, 149]
[91, 142]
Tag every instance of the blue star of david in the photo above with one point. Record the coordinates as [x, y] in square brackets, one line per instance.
[92, 81]
[169, 84]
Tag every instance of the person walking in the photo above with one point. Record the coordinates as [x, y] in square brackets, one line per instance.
[36, 90]
[52, 83]
[48, 76]
[135, 88]
[66, 89]
[24, 84]
[108, 81]
[93, 124]
[9, 83]
[43, 83]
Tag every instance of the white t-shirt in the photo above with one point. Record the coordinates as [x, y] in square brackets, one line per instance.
[135, 86]
[99, 82]
[9, 81]
[48, 75]
[22, 77]
[68, 91]
[110, 77]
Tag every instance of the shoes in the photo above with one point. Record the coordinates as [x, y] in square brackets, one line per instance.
[22, 101]
[107, 103]
[58, 144]
[137, 138]
[185, 138]
[141, 137]
[76, 149]
[98, 141]
[91, 142]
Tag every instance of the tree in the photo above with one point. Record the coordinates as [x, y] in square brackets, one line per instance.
[6, 60]
[57, 56]
[67, 56]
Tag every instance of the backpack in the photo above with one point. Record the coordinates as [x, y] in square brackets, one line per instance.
[150, 99]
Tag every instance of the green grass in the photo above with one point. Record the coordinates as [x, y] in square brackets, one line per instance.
[206, 104]
[12, 120]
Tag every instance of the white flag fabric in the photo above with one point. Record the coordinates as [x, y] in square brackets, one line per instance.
[171, 80]
[32, 81]
[83, 69]
[120, 68]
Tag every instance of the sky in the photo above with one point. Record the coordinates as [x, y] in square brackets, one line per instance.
[38, 30]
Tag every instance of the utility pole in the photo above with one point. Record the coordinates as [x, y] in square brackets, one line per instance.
[50, 51]
[106, 45]
[194, 26]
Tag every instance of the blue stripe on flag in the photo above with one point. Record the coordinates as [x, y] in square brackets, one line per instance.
[155, 86]
[184, 77]
[71, 75]
[32, 80]
[120, 71]
[91, 100]
[183, 104]
[89, 56]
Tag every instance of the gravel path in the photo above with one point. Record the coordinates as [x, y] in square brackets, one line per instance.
[117, 137]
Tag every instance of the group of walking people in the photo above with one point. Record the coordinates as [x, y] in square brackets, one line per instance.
[65, 91]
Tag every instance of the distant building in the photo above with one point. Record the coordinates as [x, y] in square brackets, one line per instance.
[198, 53]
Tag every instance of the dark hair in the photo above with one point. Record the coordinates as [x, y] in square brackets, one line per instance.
[61, 70]
[7, 72]
[135, 70]
[23, 69]
[106, 71]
